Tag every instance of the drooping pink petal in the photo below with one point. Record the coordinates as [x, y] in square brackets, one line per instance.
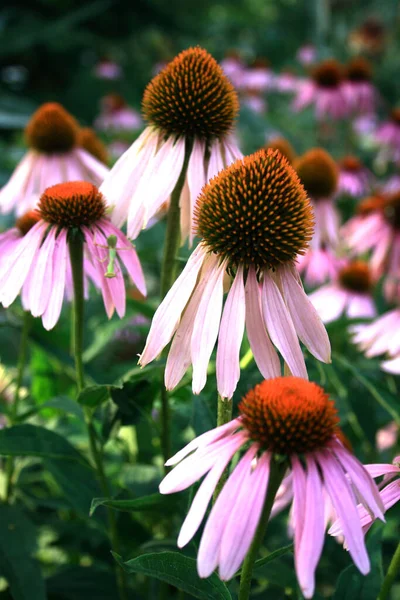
[209, 549]
[312, 539]
[205, 327]
[206, 490]
[196, 178]
[377, 470]
[185, 213]
[168, 314]
[54, 305]
[280, 327]
[329, 301]
[97, 170]
[215, 163]
[361, 306]
[13, 191]
[127, 254]
[344, 503]
[306, 320]
[230, 338]
[243, 519]
[41, 276]
[264, 353]
[299, 501]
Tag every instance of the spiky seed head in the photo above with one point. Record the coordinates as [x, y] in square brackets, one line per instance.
[328, 74]
[89, 141]
[391, 210]
[350, 163]
[356, 277]
[255, 212]
[289, 415]
[52, 130]
[27, 221]
[359, 70]
[284, 147]
[72, 205]
[318, 173]
[191, 96]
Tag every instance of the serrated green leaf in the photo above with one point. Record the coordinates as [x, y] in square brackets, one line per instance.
[177, 570]
[151, 502]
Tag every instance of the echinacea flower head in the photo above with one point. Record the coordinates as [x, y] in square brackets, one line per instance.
[349, 293]
[324, 90]
[388, 135]
[319, 174]
[354, 177]
[318, 265]
[89, 141]
[39, 264]
[382, 336]
[254, 218]
[54, 156]
[190, 107]
[286, 419]
[284, 147]
[359, 90]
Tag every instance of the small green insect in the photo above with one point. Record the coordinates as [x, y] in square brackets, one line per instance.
[112, 255]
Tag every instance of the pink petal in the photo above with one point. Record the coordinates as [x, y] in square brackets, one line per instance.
[306, 320]
[329, 302]
[205, 327]
[54, 305]
[299, 500]
[215, 163]
[381, 469]
[264, 353]
[230, 338]
[196, 178]
[41, 276]
[97, 170]
[166, 317]
[280, 327]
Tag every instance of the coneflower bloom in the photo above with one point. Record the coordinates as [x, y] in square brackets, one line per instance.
[359, 90]
[350, 293]
[388, 135]
[379, 232]
[319, 174]
[284, 147]
[318, 265]
[190, 105]
[253, 218]
[54, 156]
[307, 54]
[325, 91]
[116, 116]
[108, 69]
[89, 141]
[39, 261]
[382, 336]
[290, 419]
[254, 100]
[258, 76]
[233, 67]
[386, 437]
[354, 179]
[286, 82]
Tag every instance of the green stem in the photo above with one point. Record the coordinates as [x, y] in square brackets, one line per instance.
[277, 472]
[76, 257]
[391, 575]
[23, 350]
[224, 415]
[168, 275]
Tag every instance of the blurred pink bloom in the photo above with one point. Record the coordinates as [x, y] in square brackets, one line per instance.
[318, 265]
[382, 336]
[354, 179]
[286, 82]
[116, 116]
[386, 437]
[365, 125]
[351, 294]
[392, 185]
[108, 69]
[53, 157]
[255, 102]
[327, 222]
[39, 263]
[328, 471]
[388, 135]
[307, 54]
[258, 77]
[233, 68]
[359, 90]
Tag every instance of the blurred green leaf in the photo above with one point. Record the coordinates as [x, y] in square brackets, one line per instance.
[177, 570]
[82, 583]
[94, 395]
[151, 502]
[274, 555]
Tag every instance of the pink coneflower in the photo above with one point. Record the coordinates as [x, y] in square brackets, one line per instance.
[319, 174]
[254, 101]
[325, 91]
[233, 67]
[294, 420]
[116, 116]
[350, 294]
[359, 91]
[388, 134]
[286, 82]
[108, 69]
[307, 54]
[39, 261]
[54, 157]
[318, 265]
[354, 178]
[378, 231]
[258, 76]
[386, 437]
[191, 107]
[382, 336]
[253, 218]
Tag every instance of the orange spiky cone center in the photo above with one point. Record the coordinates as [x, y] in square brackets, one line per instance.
[72, 204]
[356, 277]
[52, 130]
[318, 173]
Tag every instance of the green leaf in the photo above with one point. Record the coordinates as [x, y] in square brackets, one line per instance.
[151, 502]
[81, 583]
[94, 395]
[17, 544]
[77, 483]
[351, 584]
[177, 570]
[134, 400]
[32, 440]
[274, 555]
[64, 404]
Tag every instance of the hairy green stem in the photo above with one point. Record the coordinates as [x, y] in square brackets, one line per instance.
[76, 256]
[391, 575]
[276, 474]
[23, 350]
[168, 275]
